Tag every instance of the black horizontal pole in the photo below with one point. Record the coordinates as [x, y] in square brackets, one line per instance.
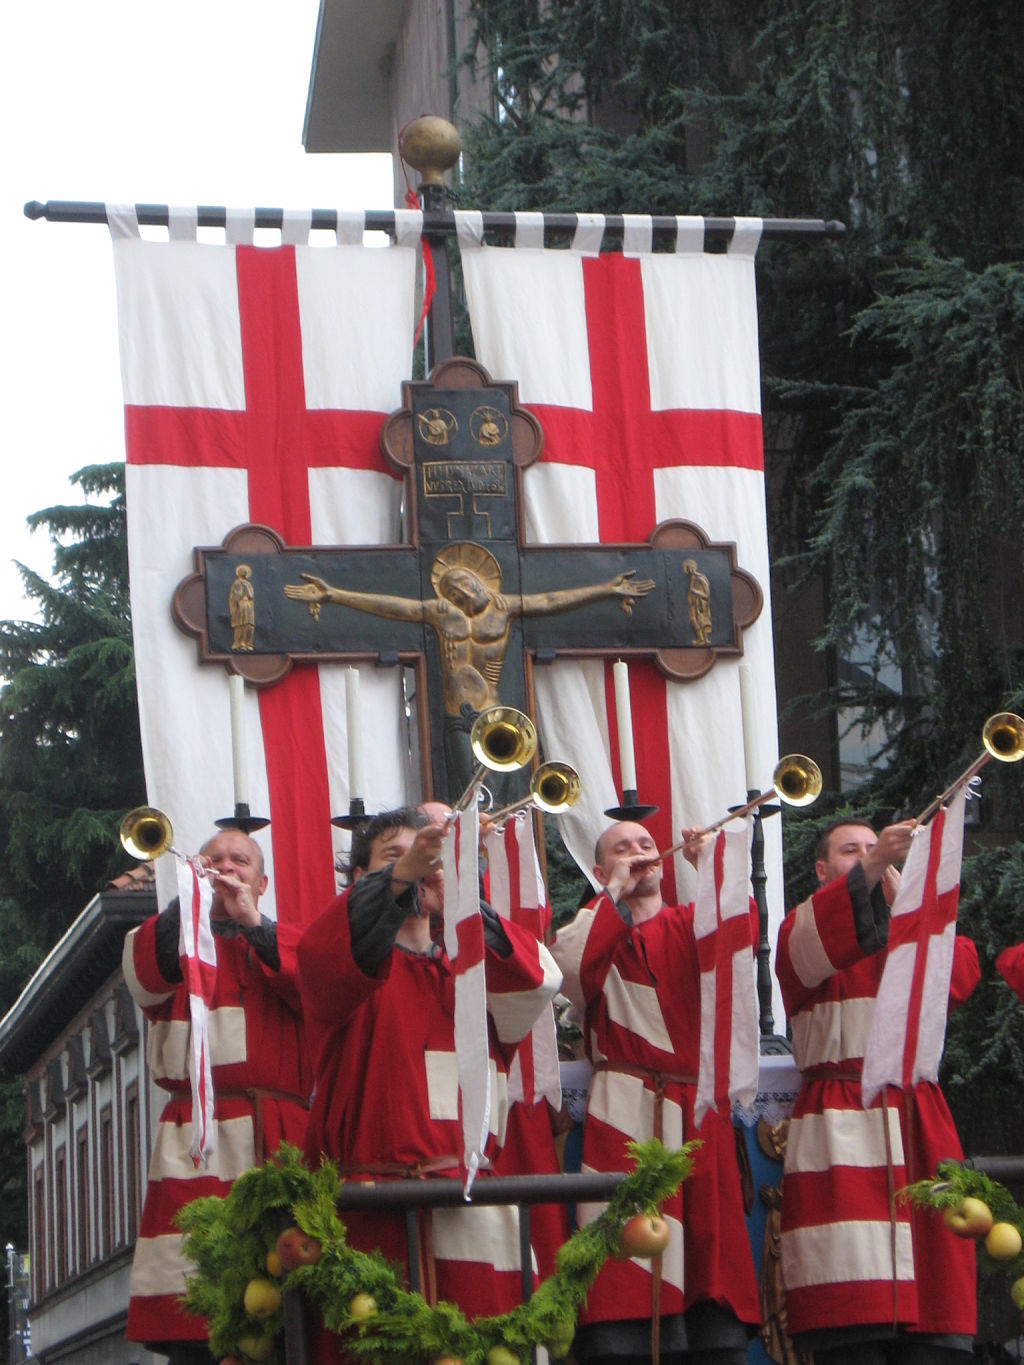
[439, 224]
[499, 1189]
[1008, 1168]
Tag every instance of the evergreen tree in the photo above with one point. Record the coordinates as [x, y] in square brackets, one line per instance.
[892, 359]
[70, 755]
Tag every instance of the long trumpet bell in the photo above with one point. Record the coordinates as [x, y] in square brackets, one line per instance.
[554, 788]
[797, 780]
[503, 738]
[146, 833]
[1003, 738]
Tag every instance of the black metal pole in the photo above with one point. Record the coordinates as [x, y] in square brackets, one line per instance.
[716, 230]
[440, 338]
[758, 883]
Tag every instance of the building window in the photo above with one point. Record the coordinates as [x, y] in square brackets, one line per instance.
[106, 1192]
[38, 1242]
[82, 1197]
[133, 1159]
[60, 1215]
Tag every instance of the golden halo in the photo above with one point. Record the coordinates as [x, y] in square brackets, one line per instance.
[466, 554]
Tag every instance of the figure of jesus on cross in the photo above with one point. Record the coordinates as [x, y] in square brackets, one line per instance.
[472, 619]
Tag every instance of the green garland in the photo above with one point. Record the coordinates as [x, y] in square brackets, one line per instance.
[229, 1239]
[953, 1183]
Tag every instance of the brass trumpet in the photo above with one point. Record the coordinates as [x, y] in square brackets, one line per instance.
[146, 833]
[796, 781]
[554, 788]
[502, 739]
[1003, 738]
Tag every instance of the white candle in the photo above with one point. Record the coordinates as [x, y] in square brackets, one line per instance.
[239, 766]
[355, 734]
[750, 755]
[624, 720]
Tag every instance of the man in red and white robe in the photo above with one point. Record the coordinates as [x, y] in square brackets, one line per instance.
[632, 971]
[867, 1278]
[379, 996]
[261, 1079]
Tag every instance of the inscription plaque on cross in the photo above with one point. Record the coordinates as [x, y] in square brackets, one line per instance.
[465, 601]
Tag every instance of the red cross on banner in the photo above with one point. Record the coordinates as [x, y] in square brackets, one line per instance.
[626, 441]
[908, 1024]
[248, 397]
[643, 371]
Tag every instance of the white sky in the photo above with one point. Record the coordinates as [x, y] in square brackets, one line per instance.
[195, 102]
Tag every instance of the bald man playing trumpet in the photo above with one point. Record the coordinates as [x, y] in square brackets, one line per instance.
[631, 969]
[869, 1280]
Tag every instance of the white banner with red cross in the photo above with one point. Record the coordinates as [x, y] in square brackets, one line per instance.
[908, 1023]
[198, 955]
[464, 944]
[643, 369]
[517, 893]
[729, 1031]
[256, 381]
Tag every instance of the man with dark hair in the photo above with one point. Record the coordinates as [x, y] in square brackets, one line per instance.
[261, 1080]
[380, 999]
[632, 972]
[868, 1278]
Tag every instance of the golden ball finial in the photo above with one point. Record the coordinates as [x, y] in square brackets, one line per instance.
[431, 145]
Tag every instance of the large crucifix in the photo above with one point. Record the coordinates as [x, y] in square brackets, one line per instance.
[466, 602]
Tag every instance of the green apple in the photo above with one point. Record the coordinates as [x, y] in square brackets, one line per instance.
[501, 1355]
[256, 1348]
[362, 1306]
[1017, 1293]
[261, 1298]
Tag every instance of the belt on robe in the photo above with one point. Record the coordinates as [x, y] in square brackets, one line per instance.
[661, 1079]
[256, 1095]
[417, 1170]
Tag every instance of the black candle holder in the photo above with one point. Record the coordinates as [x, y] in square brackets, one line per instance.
[631, 808]
[242, 819]
[356, 815]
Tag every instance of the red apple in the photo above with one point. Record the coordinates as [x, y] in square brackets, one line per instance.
[970, 1218]
[1003, 1242]
[261, 1298]
[645, 1235]
[362, 1306]
[295, 1248]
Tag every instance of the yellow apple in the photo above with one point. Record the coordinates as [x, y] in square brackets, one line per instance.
[970, 1218]
[273, 1264]
[261, 1298]
[256, 1348]
[1003, 1242]
[362, 1306]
